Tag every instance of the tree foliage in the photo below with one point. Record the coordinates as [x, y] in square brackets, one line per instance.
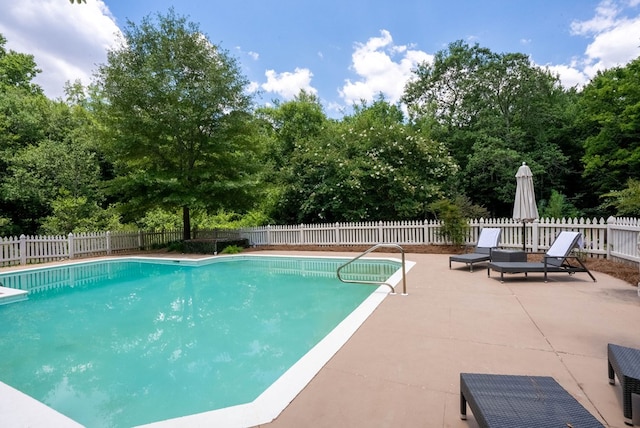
[46, 152]
[177, 120]
[167, 136]
[58, 161]
[17, 70]
[492, 111]
[370, 166]
[626, 202]
[557, 206]
[610, 122]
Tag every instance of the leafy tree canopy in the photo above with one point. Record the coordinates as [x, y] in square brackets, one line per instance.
[610, 120]
[17, 70]
[177, 118]
[370, 166]
[625, 202]
[492, 111]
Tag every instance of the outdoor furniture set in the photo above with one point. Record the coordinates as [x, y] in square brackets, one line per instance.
[557, 259]
[498, 400]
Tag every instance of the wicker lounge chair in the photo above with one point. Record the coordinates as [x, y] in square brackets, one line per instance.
[487, 241]
[556, 259]
[521, 401]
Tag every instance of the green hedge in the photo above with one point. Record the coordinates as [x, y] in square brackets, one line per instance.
[206, 246]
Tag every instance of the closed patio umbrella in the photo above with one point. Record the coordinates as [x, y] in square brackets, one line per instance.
[524, 207]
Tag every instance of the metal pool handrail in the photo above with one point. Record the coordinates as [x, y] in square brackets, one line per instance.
[375, 247]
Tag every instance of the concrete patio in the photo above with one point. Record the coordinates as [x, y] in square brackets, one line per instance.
[402, 367]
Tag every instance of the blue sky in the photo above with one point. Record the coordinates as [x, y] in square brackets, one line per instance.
[340, 50]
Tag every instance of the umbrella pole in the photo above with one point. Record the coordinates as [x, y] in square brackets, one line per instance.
[524, 235]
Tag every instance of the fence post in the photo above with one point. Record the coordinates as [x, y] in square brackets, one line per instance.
[23, 250]
[71, 247]
[337, 229]
[638, 248]
[535, 235]
[108, 236]
[610, 222]
[425, 233]
[140, 240]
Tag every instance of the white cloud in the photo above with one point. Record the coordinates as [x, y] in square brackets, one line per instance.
[605, 19]
[569, 76]
[252, 87]
[379, 71]
[288, 84]
[615, 41]
[67, 40]
[614, 46]
[251, 54]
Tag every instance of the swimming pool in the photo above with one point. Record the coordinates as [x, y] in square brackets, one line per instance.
[87, 331]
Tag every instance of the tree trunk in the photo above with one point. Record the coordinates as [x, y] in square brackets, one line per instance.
[186, 224]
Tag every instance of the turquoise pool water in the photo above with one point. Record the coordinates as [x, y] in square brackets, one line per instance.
[123, 343]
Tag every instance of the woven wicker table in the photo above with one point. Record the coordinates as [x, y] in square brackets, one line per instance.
[500, 255]
[625, 362]
[521, 401]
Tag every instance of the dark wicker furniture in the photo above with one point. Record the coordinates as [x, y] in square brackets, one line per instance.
[625, 363]
[556, 259]
[487, 241]
[521, 401]
[480, 255]
[501, 255]
[539, 267]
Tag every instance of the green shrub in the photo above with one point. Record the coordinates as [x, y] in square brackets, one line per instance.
[232, 249]
[176, 246]
[208, 246]
[455, 227]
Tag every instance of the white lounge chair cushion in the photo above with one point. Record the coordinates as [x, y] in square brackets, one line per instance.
[564, 243]
[489, 237]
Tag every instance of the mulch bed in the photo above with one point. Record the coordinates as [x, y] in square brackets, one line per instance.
[627, 272]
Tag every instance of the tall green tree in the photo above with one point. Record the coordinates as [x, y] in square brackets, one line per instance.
[478, 103]
[17, 70]
[23, 123]
[177, 119]
[288, 129]
[443, 94]
[610, 122]
[58, 174]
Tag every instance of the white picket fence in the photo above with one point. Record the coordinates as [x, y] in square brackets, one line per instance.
[41, 249]
[611, 238]
[616, 238]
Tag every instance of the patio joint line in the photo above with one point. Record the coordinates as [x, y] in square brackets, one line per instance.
[559, 355]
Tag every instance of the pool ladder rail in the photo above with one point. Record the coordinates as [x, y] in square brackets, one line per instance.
[375, 247]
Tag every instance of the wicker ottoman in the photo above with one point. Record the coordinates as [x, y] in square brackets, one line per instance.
[521, 401]
[625, 362]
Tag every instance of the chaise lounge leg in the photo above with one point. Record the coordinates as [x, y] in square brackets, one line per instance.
[463, 407]
[612, 374]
